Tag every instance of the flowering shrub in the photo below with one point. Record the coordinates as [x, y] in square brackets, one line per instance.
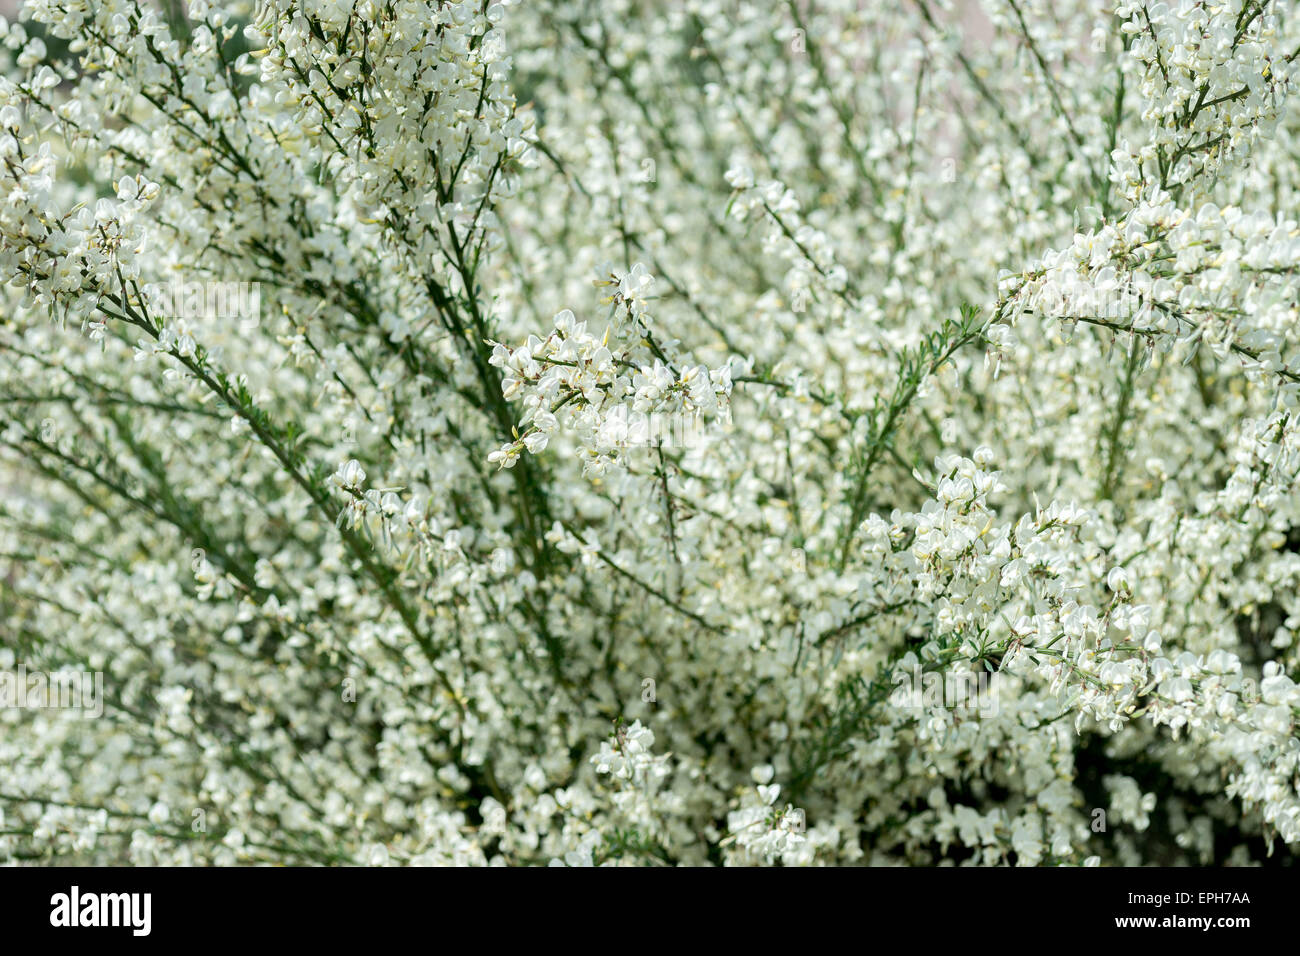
[704, 432]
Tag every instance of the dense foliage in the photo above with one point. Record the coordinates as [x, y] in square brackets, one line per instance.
[698, 432]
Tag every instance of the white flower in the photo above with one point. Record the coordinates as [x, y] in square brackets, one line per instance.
[1117, 580]
[350, 474]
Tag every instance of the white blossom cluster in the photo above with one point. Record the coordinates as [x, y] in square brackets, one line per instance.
[700, 432]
